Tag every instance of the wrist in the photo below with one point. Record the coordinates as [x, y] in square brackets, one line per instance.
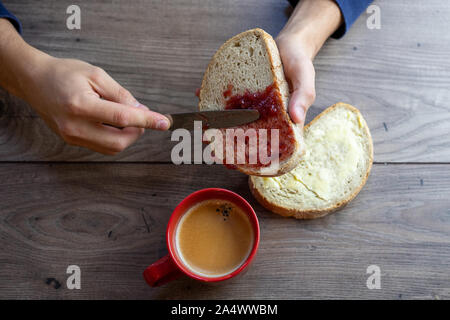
[312, 23]
[302, 40]
[19, 62]
[29, 71]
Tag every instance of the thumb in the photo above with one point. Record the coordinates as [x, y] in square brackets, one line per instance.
[301, 99]
[297, 109]
[302, 78]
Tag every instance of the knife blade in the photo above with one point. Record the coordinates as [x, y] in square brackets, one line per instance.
[212, 119]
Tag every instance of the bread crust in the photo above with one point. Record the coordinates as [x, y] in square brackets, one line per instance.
[280, 84]
[314, 214]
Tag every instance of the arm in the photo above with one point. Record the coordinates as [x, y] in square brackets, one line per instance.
[74, 98]
[309, 26]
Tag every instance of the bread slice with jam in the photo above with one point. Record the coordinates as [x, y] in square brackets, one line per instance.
[246, 73]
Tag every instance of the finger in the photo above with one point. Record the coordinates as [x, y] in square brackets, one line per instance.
[110, 147]
[110, 89]
[303, 95]
[103, 139]
[297, 109]
[120, 115]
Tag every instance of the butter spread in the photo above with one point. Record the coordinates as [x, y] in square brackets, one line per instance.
[333, 153]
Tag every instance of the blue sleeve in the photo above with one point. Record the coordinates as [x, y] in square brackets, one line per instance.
[351, 10]
[6, 14]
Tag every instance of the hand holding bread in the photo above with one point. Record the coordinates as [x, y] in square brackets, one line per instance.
[311, 23]
[249, 63]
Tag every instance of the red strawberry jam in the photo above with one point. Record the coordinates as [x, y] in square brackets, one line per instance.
[227, 93]
[268, 102]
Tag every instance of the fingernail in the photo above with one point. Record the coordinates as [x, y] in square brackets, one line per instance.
[162, 124]
[299, 115]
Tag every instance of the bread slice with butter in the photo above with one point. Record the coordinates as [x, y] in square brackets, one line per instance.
[336, 165]
[250, 64]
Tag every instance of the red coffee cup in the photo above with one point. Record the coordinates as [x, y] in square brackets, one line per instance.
[171, 266]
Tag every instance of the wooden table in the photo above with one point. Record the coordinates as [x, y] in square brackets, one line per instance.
[63, 205]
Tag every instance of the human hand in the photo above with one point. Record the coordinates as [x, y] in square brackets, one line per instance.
[309, 26]
[300, 74]
[86, 107]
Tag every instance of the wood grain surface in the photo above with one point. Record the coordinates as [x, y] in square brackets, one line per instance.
[63, 205]
[110, 220]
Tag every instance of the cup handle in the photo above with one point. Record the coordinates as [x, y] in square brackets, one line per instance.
[162, 271]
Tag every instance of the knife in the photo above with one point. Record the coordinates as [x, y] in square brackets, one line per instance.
[212, 119]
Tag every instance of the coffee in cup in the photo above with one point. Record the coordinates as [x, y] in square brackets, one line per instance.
[214, 238]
